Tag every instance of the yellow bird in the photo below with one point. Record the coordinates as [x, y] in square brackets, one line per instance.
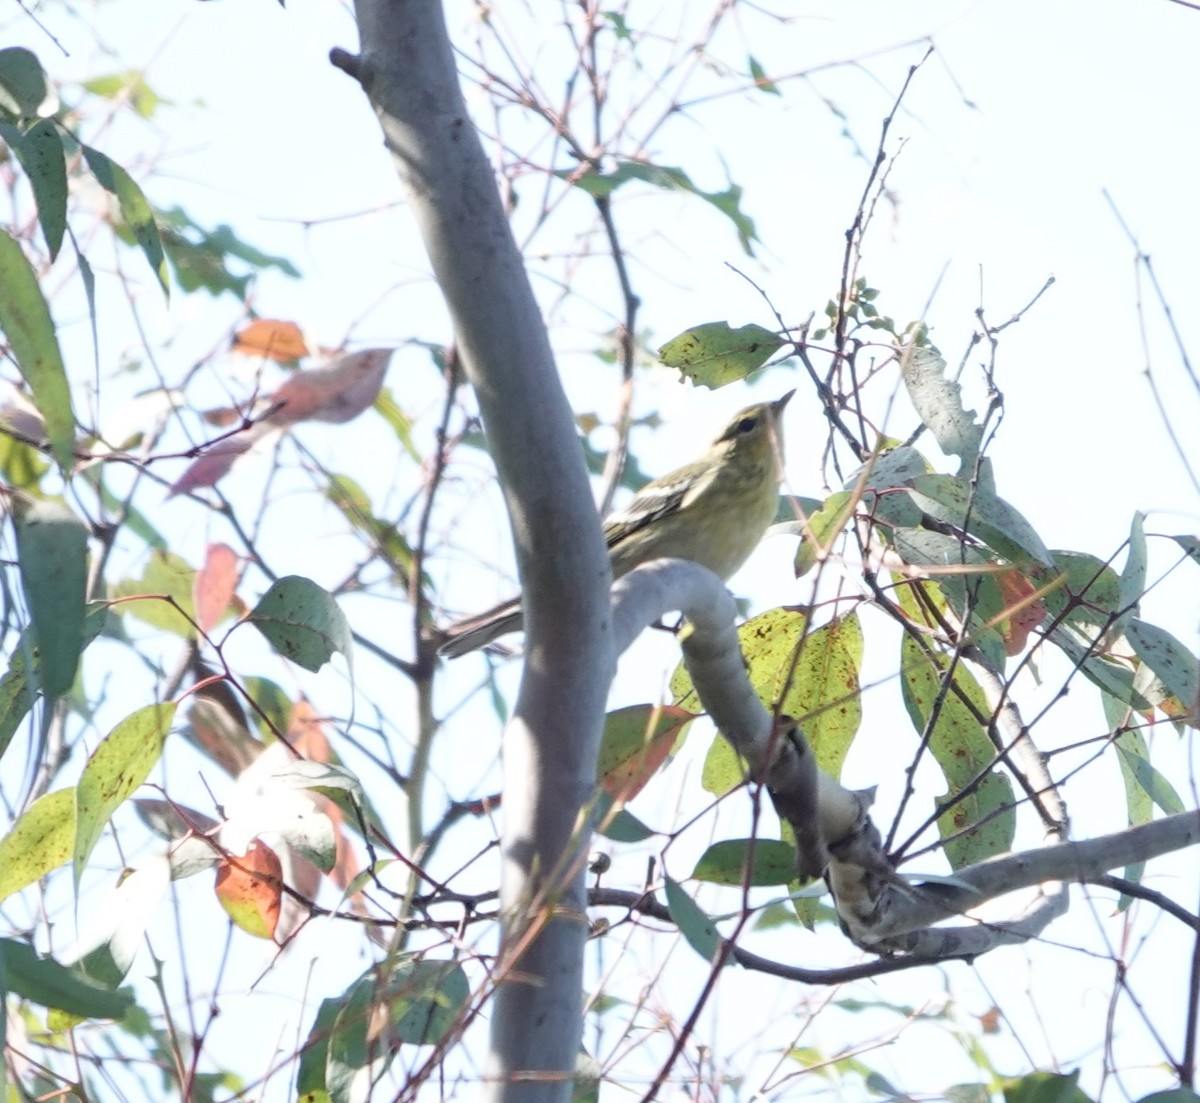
[713, 511]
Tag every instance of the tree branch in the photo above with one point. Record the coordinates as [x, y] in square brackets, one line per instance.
[406, 67]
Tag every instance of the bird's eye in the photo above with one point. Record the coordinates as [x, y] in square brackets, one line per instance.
[746, 424]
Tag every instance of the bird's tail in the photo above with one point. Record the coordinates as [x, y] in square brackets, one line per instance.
[474, 632]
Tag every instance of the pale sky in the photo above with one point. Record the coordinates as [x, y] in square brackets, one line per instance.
[1012, 132]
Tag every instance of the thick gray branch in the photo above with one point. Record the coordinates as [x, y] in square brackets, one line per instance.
[910, 908]
[879, 909]
[406, 67]
[817, 808]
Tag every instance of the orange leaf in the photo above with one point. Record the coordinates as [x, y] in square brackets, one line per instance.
[989, 1021]
[212, 589]
[271, 338]
[306, 732]
[250, 888]
[637, 740]
[1023, 613]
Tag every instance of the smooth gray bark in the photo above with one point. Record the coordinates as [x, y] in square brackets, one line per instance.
[406, 67]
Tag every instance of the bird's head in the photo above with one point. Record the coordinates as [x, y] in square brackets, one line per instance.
[755, 430]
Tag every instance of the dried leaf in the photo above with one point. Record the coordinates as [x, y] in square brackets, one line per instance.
[273, 339]
[214, 463]
[1023, 614]
[250, 889]
[337, 392]
[212, 590]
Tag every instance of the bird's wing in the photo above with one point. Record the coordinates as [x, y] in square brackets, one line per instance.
[656, 499]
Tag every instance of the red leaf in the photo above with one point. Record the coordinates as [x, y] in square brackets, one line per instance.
[212, 589]
[1023, 613]
[337, 392]
[214, 464]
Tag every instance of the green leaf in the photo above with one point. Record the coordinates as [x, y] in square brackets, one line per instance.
[135, 209]
[426, 998]
[302, 622]
[1129, 743]
[889, 470]
[983, 823]
[1190, 545]
[624, 827]
[967, 1093]
[601, 185]
[40, 151]
[620, 28]
[387, 541]
[167, 576]
[25, 319]
[878, 1084]
[938, 402]
[1135, 762]
[20, 685]
[44, 981]
[350, 1050]
[1087, 605]
[274, 711]
[423, 1000]
[21, 465]
[714, 354]
[724, 769]
[759, 75]
[770, 862]
[954, 502]
[389, 409]
[310, 1076]
[790, 511]
[811, 675]
[1112, 677]
[40, 841]
[975, 597]
[1174, 664]
[700, 931]
[200, 258]
[121, 762]
[88, 279]
[23, 84]
[52, 554]
[825, 693]
[1045, 1087]
[332, 781]
[130, 87]
[819, 531]
[1133, 574]
[320, 777]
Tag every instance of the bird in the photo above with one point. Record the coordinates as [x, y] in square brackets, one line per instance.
[712, 511]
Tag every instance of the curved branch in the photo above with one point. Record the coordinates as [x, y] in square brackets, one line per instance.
[910, 908]
[406, 67]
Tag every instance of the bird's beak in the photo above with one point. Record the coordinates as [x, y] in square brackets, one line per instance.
[779, 403]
